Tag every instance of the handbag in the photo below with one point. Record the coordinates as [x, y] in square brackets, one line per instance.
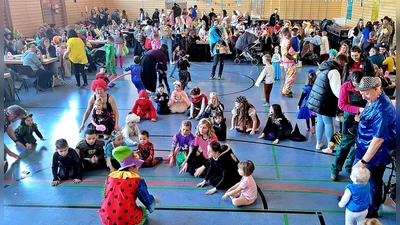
[57, 81]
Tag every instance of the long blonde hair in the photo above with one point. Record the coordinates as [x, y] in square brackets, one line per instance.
[207, 122]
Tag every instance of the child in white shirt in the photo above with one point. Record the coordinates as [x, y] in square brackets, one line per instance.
[266, 75]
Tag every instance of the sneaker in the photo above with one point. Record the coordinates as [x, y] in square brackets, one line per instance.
[219, 77]
[339, 198]
[85, 85]
[211, 77]
[319, 145]
[287, 95]
[372, 214]
[327, 150]
[334, 176]
[307, 129]
[266, 105]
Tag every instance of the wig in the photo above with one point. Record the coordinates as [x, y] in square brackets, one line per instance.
[100, 83]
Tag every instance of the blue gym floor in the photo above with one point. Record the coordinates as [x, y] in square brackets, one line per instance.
[293, 178]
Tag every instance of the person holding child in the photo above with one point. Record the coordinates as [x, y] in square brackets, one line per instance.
[116, 141]
[267, 76]
[181, 142]
[24, 132]
[179, 101]
[244, 116]
[278, 127]
[198, 104]
[66, 164]
[222, 171]
[101, 120]
[356, 196]
[303, 111]
[122, 188]
[245, 191]
[91, 151]
[145, 150]
[144, 107]
[131, 131]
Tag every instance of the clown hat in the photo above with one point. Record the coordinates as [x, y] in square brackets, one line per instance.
[126, 157]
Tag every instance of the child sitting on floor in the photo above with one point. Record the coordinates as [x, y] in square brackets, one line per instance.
[162, 99]
[130, 131]
[102, 74]
[356, 196]
[101, 120]
[145, 150]
[181, 142]
[144, 107]
[179, 101]
[245, 191]
[91, 151]
[66, 164]
[24, 132]
[116, 141]
[278, 127]
[219, 126]
[198, 103]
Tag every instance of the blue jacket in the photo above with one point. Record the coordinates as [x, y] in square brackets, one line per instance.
[377, 120]
[359, 200]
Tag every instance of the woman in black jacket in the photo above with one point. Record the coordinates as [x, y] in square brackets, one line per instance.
[222, 168]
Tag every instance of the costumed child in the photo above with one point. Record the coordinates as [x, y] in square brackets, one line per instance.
[244, 116]
[336, 138]
[66, 64]
[179, 101]
[356, 196]
[145, 150]
[155, 43]
[110, 56]
[278, 127]
[120, 47]
[120, 207]
[214, 106]
[101, 120]
[332, 54]
[198, 103]
[102, 74]
[196, 162]
[245, 191]
[219, 126]
[276, 63]
[303, 111]
[135, 72]
[162, 99]
[130, 131]
[144, 107]
[91, 151]
[183, 65]
[24, 132]
[175, 57]
[66, 164]
[116, 140]
[181, 142]
[162, 76]
[266, 75]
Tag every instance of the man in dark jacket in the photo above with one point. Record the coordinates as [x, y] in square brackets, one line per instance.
[115, 16]
[358, 61]
[274, 18]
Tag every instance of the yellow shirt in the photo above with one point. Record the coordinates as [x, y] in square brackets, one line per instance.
[389, 61]
[77, 54]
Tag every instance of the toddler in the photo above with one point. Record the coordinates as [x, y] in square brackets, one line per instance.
[103, 76]
[145, 150]
[24, 131]
[356, 196]
[116, 141]
[303, 111]
[130, 131]
[135, 72]
[144, 107]
[162, 101]
[110, 56]
[278, 127]
[245, 191]
[101, 120]
[181, 142]
[183, 65]
[179, 101]
[66, 164]
[266, 75]
[219, 126]
[198, 103]
[155, 43]
[91, 151]
[276, 63]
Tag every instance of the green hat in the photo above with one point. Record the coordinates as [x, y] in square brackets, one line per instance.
[126, 158]
[81, 31]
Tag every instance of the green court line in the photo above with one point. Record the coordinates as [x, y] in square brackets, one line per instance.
[286, 219]
[278, 176]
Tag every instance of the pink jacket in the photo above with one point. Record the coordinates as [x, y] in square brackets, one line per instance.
[344, 98]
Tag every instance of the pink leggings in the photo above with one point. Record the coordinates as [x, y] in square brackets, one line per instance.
[121, 61]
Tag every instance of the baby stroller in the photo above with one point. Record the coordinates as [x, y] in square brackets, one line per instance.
[308, 54]
[250, 47]
[98, 56]
[390, 186]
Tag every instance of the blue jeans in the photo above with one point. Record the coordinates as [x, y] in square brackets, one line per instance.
[375, 181]
[325, 123]
[168, 42]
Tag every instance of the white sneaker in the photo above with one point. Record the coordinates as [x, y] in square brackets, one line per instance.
[319, 145]
[327, 150]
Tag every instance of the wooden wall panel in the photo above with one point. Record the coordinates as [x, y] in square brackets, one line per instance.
[26, 16]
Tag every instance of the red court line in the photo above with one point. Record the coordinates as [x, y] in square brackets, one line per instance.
[271, 186]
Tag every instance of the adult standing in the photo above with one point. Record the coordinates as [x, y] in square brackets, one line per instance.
[218, 48]
[356, 32]
[149, 62]
[76, 53]
[350, 101]
[12, 114]
[115, 16]
[99, 87]
[166, 38]
[222, 170]
[156, 17]
[177, 10]
[324, 96]
[30, 58]
[358, 61]
[384, 32]
[274, 19]
[289, 62]
[376, 137]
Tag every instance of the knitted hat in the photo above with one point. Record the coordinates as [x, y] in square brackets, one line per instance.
[99, 83]
[126, 158]
[368, 83]
[241, 99]
[115, 134]
[132, 118]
